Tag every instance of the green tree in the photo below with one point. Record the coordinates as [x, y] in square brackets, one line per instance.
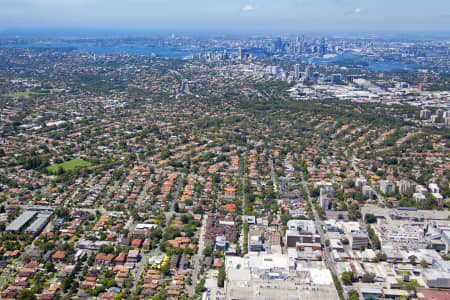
[424, 263]
[49, 266]
[368, 277]
[221, 277]
[376, 244]
[200, 286]
[353, 212]
[165, 269]
[370, 218]
[338, 286]
[353, 295]
[207, 251]
[188, 279]
[26, 295]
[348, 278]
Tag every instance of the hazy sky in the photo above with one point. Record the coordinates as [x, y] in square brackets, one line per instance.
[234, 15]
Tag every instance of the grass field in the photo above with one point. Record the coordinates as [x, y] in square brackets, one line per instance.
[19, 95]
[28, 94]
[402, 273]
[69, 165]
[409, 283]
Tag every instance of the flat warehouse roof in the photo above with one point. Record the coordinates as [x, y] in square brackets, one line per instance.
[37, 225]
[21, 220]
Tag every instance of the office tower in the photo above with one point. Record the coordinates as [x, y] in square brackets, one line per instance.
[239, 54]
[425, 114]
[297, 71]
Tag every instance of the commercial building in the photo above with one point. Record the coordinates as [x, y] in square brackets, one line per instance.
[336, 78]
[445, 234]
[255, 238]
[276, 276]
[221, 243]
[255, 243]
[39, 224]
[438, 276]
[332, 226]
[17, 225]
[301, 231]
[359, 239]
[297, 71]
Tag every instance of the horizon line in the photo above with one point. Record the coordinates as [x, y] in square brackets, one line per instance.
[139, 32]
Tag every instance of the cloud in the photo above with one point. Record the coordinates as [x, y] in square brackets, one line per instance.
[249, 7]
[357, 10]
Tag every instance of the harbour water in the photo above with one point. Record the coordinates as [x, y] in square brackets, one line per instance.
[138, 49]
[132, 49]
[371, 65]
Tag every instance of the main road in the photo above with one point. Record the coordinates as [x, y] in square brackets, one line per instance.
[272, 174]
[244, 158]
[327, 256]
[197, 258]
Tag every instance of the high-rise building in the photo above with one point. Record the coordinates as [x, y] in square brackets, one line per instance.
[336, 78]
[387, 186]
[326, 195]
[297, 71]
[275, 70]
[323, 46]
[360, 182]
[297, 45]
[278, 44]
[302, 46]
[404, 186]
[421, 86]
[425, 114]
[239, 53]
